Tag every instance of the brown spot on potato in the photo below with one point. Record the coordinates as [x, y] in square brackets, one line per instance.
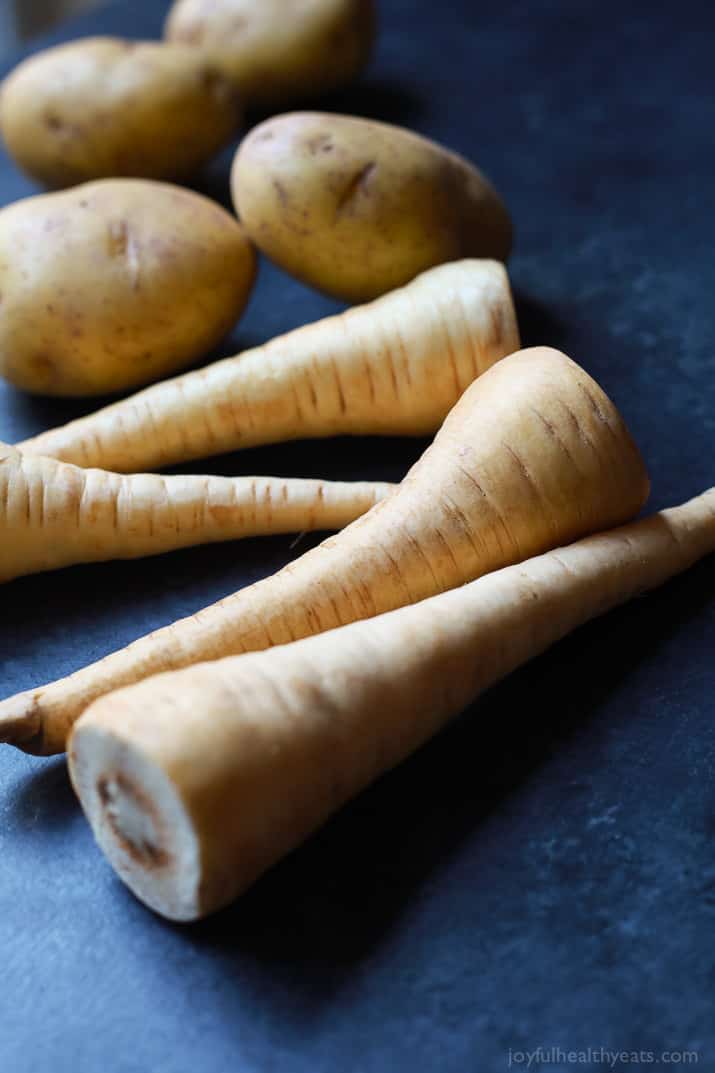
[219, 86]
[210, 78]
[53, 122]
[117, 238]
[44, 366]
[281, 191]
[320, 143]
[358, 184]
[122, 243]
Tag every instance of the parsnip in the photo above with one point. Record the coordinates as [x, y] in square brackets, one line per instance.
[533, 455]
[394, 367]
[53, 514]
[197, 781]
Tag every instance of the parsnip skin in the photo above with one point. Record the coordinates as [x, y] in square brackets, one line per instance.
[53, 514]
[394, 367]
[532, 456]
[196, 782]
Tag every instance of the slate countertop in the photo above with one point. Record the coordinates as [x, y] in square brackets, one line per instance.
[543, 874]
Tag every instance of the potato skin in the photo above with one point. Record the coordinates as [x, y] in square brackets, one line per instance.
[279, 51]
[102, 107]
[356, 208]
[116, 283]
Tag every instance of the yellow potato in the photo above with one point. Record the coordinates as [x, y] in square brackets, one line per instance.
[116, 283]
[279, 50]
[101, 106]
[356, 208]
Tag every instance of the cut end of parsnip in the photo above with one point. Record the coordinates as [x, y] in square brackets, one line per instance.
[139, 822]
[21, 723]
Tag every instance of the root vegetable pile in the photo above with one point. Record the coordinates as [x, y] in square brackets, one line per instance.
[206, 750]
[195, 782]
[394, 367]
[533, 455]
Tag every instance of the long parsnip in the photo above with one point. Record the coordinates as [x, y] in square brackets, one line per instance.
[394, 367]
[195, 782]
[533, 455]
[53, 514]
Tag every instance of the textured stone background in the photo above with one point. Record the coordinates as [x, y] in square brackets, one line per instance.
[543, 874]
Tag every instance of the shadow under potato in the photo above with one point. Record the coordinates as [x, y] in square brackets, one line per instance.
[379, 99]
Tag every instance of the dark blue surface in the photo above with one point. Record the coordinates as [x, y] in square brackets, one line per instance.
[543, 875]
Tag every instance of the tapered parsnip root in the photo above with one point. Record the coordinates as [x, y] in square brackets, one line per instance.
[534, 455]
[196, 782]
[394, 367]
[53, 514]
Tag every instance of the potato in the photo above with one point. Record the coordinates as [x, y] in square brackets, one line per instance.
[102, 107]
[356, 208]
[279, 51]
[116, 283]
